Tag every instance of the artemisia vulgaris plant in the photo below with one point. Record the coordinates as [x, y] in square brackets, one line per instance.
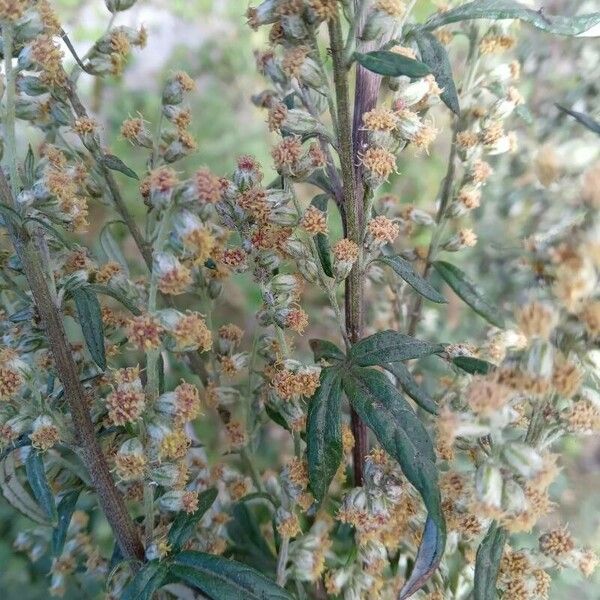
[379, 486]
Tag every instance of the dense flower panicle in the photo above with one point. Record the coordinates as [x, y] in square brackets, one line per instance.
[314, 221]
[192, 332]
[125, 404]
[46, 53]
[346, 250]
[379, 163]
[145, 332]
[536, 320]
[383, 230]
[45, 433]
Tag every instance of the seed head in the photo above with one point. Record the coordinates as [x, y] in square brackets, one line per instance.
[314, 221]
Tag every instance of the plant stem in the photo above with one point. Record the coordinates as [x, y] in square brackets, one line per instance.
[354, 297]
[282, 560]
[110, 498]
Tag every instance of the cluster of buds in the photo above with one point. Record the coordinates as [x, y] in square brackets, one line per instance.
[110, 52]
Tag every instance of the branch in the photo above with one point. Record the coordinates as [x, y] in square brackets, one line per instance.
[110, 498]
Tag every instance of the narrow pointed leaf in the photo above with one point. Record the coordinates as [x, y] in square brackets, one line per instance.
[89, 312]
[584, 119]
[405, 270]
[324, 432]
[324, 350]
[36, 476]
[249, 544]
[390, 346]
[184, 525]
[434, 55]
[107, 290]
[508, 9]
[411, 387]
[403, 436]
[223, 579]
[321, 240]
[487, 563]
[114, 163]
[391, 64]
[16, 495]
[149, 579]
[470, 364]
[467, 291]
[65, 510]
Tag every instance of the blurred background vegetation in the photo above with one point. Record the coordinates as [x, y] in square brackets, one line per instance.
[209, 39]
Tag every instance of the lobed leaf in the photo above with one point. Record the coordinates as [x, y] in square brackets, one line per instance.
[434, 55]
[403, 436]
[184, 524]
[36, 476]
[324, 432]
[405, 270]
[487, 563]
[89, 312]
[509, 9]
[223, 579]
[391, 64]
[390, 346]
[467, 291]
[411, 387]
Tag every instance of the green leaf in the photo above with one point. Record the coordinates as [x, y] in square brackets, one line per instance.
[390, 346]
[223, 579]
[36, 476]
[584, 119]
[469, 292]
[149, 579]
[473, 365]
[403, 436]
[29, 168]
[411, 387]
[321, 240]
[107, 290]
[249, 544]
[487, 563]
[434, 55]
[405, 270]
[184, 525]
[324, 350]
[90, 319]
[65, 510]
[324, 432]
[16, 495]
[508, 9]
[391, 64]
[114, 163]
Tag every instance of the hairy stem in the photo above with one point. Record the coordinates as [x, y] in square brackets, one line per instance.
[111, 500]
[353, 217]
